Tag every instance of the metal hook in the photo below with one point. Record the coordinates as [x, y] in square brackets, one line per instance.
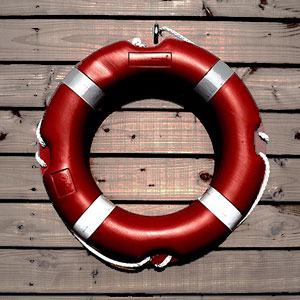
[156, 33]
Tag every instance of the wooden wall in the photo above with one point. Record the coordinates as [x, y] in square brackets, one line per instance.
[146, 156]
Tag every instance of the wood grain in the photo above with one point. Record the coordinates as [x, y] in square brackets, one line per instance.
[38, 225]
[70, 271]
[191, 297]
[132, 178]
[148, 132]
[63, 40]
[232, 8]
[33, 85]
[259, 261]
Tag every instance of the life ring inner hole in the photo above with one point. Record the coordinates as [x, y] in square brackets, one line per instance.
[149, 138]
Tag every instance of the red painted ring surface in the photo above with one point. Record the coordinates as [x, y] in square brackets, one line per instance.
[238, 173]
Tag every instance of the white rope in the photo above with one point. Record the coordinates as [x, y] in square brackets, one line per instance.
[112, 261]
[137, 42]
[119, 263]
[89, 248]
[177, 34]
[264, 136]
[266, 139]
[41, 162]
[164, 262]
[38, 134]
[263, 186]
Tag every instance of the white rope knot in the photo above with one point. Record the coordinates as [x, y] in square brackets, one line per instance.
[41, 162]
[138, 42]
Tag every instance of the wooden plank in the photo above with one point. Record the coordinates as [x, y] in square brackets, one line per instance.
[145, 179]
[232, 8]
[119, 178]
[29, 85]
[181, 297]
[38, 225]
[74, 39]
[69, 271]
[33, 85]
[148, 132]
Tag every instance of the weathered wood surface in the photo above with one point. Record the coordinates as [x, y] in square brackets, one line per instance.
[133, 178]
[74, 271]
[38, 225]
[147, 132]
[193, 297]
[196, 8]
[33, 85]
[62, 40]
[67, 272]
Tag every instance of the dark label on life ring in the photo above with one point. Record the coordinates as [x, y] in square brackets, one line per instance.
[150, 59]
[63, 183]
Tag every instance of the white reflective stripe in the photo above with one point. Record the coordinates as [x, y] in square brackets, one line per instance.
[93, 217]
[221, 207]
[213, 80]
[84, 87]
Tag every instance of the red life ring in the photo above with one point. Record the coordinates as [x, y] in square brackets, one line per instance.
[109, 231]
